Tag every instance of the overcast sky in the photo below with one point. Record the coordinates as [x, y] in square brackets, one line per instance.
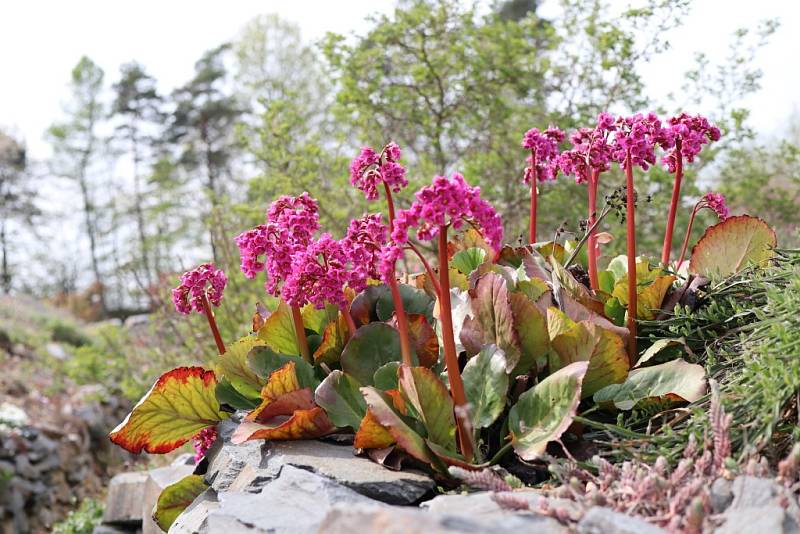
[42, 40]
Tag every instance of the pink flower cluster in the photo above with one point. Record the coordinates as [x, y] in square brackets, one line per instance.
[715, 202]
[544, 147]
[690, 134]
[290, 226]
[322, 271]
[639, 135]
[448, 201]
[203, 441]
[369, 169]
[189, 294]
[591, 150]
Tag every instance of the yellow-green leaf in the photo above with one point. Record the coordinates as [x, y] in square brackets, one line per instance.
[278, 331]
[175, 498]
[732, 245]
[233, 366]
[676, 380]
[180, 404]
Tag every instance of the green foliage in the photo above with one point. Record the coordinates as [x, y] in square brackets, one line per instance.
[175, 498]
[83, 520]
[62, 332]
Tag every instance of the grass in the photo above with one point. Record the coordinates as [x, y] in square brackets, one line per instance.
[746, 332]
[83, 520]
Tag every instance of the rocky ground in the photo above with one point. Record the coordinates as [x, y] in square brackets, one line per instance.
[317, 486]
[54, 449]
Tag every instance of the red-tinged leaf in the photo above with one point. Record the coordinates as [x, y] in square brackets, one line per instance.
[492, 320]
[334, 338]
[280, 382]
[371, 434]
[432, 402]
[531, 328]
[398, 402]
[406, 438]
[730, 246]
[545, 412]
[303, 424]
[574, 288]
[180, 404]
[423, 338]
[286, 404]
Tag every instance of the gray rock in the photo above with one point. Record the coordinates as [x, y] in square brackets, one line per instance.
[157, 480]
[194, 518]
[599, 520]
[225, 463]
[770, 519]
[721, 495]
[297, 501]
[359, 474]
[56, 351]
[124, 501]
[107, 529]
[396, 520]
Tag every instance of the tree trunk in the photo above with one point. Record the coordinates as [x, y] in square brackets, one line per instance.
[138, 200]
[5, 275]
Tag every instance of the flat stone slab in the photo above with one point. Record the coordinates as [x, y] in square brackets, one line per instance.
[338, 463]
[124, 501]
[600, 520]
[296, 501]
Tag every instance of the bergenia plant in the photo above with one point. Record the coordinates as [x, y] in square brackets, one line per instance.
[289, 228]
[447, 203]
[589, 156]
[689, 135]
[635, 140]
[199, 289]
[713, 201]
[542, 166]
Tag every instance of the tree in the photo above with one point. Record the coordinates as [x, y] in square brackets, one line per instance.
[203, 124]
[137, 106]
[75, 145]
[16, 200]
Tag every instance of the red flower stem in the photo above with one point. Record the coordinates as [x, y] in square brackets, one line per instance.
[688, 234]
[351, 325]
[399, 309]
[630, 219]
[212, 323]
[300, 332]
[534, 183]
[450, 354]
[673, 205]
[592, 242]
[428, 269]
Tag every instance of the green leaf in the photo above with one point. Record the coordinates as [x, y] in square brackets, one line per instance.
[234, 367]
[278, 331]
[372, 346]
[468, 260]
[180, 404]
[676, 380]
[227, 394]
[533, 288]
[732, 245]
[543, 413]
[615, 311]
[667, 348]
[264, 361]
[363, 306]
[415, 301]
[606, 280]
[385, 377]
[316, 320]
[432, 403]
[175, 498]
[486, 385]
[333, 340]
[340, 397]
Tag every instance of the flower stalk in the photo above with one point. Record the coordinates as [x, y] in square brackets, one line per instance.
[631, 242]
[534, 192]
[212, 323]
[450, 354]
[594, 179]
[673, 206]
[300, 332]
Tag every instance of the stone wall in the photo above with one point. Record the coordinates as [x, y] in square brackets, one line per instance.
[318, 486]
